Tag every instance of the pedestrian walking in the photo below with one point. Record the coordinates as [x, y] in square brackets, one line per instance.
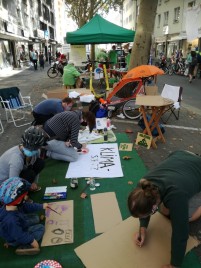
[34, 57]
[41, 60]
[192, 65]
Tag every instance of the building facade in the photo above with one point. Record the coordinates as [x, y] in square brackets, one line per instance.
[25, 25]
[177, 25]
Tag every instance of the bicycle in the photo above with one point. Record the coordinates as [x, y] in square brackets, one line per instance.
[55, 70]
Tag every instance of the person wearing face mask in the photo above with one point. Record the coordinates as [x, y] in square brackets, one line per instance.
[24, 160]
[62, 130]
[19, 227]
[48, 108]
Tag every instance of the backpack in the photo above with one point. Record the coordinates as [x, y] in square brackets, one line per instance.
[154, 131]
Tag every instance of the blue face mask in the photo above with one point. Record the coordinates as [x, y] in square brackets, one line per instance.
[29, 153]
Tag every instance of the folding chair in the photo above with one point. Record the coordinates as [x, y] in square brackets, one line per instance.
[1, 127]
[174, 93]
[14, 103]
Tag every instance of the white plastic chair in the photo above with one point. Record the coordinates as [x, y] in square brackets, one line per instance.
[174, 93]
[13, 104]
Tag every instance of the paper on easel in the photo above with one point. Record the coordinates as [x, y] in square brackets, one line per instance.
[116, 247]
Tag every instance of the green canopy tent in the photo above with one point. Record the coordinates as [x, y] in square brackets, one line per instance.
[100, 31]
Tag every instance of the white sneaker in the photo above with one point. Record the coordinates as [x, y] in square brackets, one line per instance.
[121, 116]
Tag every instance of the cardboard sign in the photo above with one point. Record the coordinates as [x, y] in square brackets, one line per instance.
[110, 216]
[143, 140]
[125, 147]
[59, 224]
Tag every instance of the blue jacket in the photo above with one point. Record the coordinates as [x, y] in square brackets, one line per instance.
[13, 227]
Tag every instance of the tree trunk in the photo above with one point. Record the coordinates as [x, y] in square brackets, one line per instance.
[142, 40]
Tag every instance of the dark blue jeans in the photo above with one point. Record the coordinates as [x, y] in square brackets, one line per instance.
[35, 228]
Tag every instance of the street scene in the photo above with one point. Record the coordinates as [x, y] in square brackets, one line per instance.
[100, 134]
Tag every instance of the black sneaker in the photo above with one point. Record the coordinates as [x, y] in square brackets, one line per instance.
[27, 250]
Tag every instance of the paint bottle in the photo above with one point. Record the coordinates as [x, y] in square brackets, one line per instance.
[105, 134]
[108, 123]
[92, 184]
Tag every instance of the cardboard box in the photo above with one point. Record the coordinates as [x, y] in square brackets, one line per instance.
[151, 90]
[61, 93]
[152, 100]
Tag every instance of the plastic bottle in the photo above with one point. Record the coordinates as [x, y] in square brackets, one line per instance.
[105, 134]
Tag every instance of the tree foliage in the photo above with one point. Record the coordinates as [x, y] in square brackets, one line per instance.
[145, 27]
[81, 11]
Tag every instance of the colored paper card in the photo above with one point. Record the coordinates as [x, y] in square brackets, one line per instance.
[143, 140]
[58, 192]
[125, 147]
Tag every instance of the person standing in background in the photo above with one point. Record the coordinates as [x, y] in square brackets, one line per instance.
[192, 65]
[128, 57]
[41, 60]
[113, 57]
[34, 57]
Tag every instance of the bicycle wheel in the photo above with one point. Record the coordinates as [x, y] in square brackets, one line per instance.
[52, 72]
[131, 110]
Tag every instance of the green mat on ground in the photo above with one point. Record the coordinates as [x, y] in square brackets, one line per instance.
[133, 170]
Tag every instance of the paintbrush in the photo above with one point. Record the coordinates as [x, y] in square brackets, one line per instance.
[54, 210]
[139, 236]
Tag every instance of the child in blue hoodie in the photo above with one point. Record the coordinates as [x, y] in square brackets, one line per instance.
[17, 227]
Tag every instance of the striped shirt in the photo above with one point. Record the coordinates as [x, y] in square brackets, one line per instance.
[66, 127]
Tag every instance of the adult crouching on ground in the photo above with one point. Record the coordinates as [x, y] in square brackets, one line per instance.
[23, 160]
[63, 130]
[70, 75]
[171, 188]
[48, 108]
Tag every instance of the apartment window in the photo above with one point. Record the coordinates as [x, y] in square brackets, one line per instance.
[52, 18]
[130, 18]
[191, 4]
[5, 4]
[166, 16]
[176, 14]
[159, 21]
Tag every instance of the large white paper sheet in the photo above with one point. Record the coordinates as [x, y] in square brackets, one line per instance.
[102, 161]
[85, 136]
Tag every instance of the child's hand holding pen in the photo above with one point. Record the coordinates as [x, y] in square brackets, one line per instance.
[140, 236]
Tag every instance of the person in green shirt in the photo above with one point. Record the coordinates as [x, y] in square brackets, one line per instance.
[128, 57]
[170, 188]
[113, 57]
[70, 75]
